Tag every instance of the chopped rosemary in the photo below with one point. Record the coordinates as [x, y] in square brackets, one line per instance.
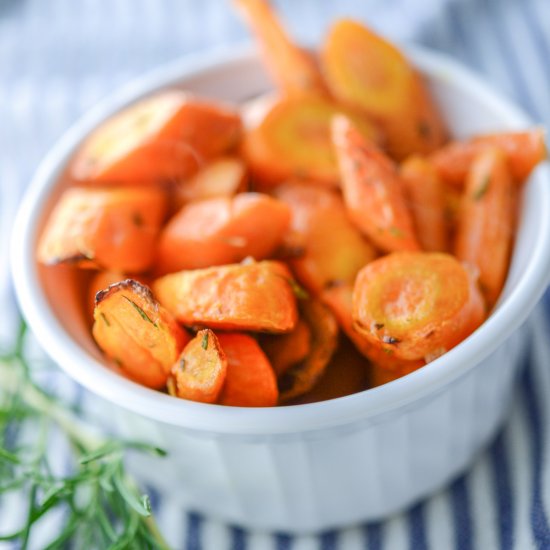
[182, 364]
[137, 219]
[101, 505]
[142, 313]
[396, 232]
[204, 342]
[482, 189]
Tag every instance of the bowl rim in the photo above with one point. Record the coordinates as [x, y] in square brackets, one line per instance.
[218, 419]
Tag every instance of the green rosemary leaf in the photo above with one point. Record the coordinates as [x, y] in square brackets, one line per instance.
[142, 313]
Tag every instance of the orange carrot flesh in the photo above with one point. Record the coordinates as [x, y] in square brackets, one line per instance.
[301, 377]
[293, 140]
[485, 229]
[115, 229]
[416, 305]
[294, 70]
[223, 177]
[367, 72]
[138, 334]
[372, 191]
[346, 373]
[327, 246]
[426, 198]
[250, 380]
[253, 296]
[201, 370]
[524, 151]
[222, 231]
[164, 137]
[340, 300]
[380, 375]
[286, 350]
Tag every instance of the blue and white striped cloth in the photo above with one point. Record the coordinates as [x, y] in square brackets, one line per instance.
[57, 58]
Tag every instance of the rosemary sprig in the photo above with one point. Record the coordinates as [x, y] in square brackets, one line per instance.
[102, 505]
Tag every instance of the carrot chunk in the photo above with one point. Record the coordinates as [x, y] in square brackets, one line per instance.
[223, 177]
[115, 229]
[293, 140]
[301, 377]
[427, 202]
[250, 296]
[200, 371]
[138, 334]
[286, 350]
[365, 71]
[485, 229]
[250, 380]
[346, 373]
[523, 150]
[340, 300]
[222, 230]
[324, 246]
[164, 137]
[416, 305]
[294, 70]
[380, 375]
[372, 191]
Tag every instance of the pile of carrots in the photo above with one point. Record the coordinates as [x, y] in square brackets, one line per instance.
[306, 245]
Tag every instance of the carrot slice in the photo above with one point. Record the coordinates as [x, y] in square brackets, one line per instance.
[301, 377]
[223, 177]
[250, 380]
[324, 246]
[347, 373]
[524, 150]
[221, 231]
[286, 350]
[372, 191]
[365, 71]
[114, 229]
[426, 197]
[339, 299]
[485, 230]
[293, 140]
[416, 305]
[200, 371]
[138, 334]
[380, 375]
[294, 70]
[161, 138]
[254, 296]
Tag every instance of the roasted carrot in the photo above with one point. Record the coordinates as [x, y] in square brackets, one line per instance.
[426, 197]
[365, 71]
[200, 371]
[223, 177]
[416, 305]
[100, 280]
[286, 350]
[323, 245]
[372, 191]
[301, 377]
[138, 334]
[164, 137]
[524, 150]
[294, 70]
[250, 380]
[379, 375]
[114, 229]
[221, 231]
[255, 296]
[346, 373]
[293, 140]
[485, 229]
[339, 299]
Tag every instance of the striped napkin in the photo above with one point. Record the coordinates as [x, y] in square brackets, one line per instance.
[58, 58]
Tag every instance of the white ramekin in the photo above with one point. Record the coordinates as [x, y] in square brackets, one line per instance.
[307, 467]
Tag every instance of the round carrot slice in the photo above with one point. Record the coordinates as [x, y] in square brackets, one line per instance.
[416, 305]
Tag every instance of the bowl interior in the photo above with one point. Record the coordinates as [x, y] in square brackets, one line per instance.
[52, 298]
